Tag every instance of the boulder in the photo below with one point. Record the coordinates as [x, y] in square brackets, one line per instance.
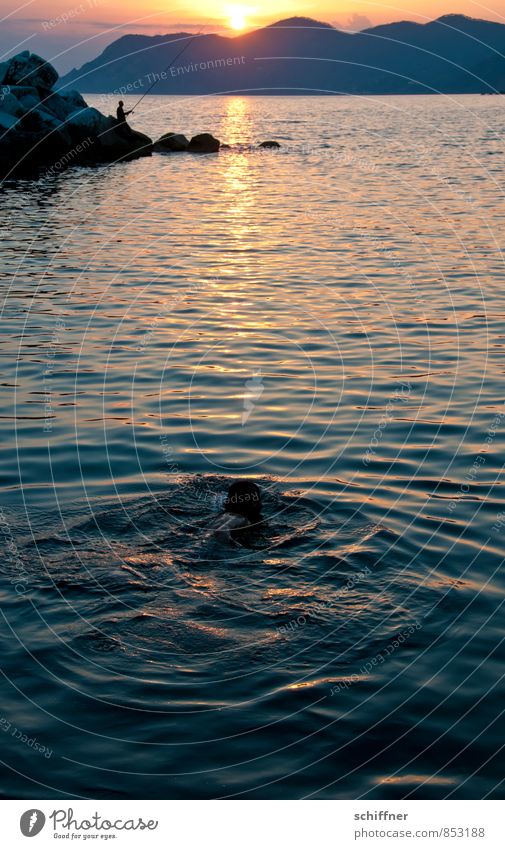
[73, 98]
[58, 106]
[89, 120]
[21, 91]
[204, 143]
[270, 144]
[29, 69]
[10, 104]
[4, 67]
[29, 101]
[142, 144]
[7, 121]
[42, 122]
[116, 143]
[26, 95]
[172, 143]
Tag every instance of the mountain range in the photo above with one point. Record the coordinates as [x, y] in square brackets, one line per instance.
[452, 54]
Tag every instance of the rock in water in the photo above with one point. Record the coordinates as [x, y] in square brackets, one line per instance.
[273, 145]
[89, 120]
[29, 69]
[114, 144]
[172, 143]
[204, 143]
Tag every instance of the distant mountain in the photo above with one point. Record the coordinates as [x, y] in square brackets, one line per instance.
[452, 54]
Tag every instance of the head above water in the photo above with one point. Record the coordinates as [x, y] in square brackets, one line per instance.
[244, 498]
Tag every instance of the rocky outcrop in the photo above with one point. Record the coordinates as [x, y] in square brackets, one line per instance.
[41, 128]
[270, 145]
[204, 143]
[172, 143]
[29, 69]
[178, 143]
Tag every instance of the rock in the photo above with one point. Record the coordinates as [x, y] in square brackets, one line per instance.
[29, 101]
[26, 95]
[89, 120]
[29, 69]
[142, 144]
[116, 144]
[172, 143]
[7, 121]
[4, 67]
[21, 91]
[273, 145]
[42, 122]
[73, 98]
[10, 104]
[58, 106]
[204, 143]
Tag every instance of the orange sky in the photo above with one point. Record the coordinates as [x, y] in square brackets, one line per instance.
[258, 12]
[71, 31]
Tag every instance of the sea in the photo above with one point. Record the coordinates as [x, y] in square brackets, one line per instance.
[326, 319]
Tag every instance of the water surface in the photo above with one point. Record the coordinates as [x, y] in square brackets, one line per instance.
[327, 319]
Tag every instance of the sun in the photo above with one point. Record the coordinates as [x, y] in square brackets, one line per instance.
[238, 17]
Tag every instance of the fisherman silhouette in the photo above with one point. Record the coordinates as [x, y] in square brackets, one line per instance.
[123, 125]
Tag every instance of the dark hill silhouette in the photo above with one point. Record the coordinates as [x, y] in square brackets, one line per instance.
[452, 54]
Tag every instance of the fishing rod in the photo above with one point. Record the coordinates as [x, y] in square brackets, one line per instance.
[168, 67]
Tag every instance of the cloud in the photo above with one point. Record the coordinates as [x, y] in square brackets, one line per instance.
[357, 22]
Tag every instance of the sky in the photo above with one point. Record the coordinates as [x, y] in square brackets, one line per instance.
[71, 32]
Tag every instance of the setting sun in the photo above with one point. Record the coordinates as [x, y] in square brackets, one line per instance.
[238, 19]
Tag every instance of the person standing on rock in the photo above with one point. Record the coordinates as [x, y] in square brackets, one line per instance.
[121, 119]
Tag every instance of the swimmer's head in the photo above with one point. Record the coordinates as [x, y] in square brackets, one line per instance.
[244, 498]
